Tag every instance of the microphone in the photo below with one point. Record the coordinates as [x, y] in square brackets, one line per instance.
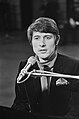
[31, 61]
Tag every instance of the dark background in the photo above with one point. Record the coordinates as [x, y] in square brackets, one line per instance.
[15, 16]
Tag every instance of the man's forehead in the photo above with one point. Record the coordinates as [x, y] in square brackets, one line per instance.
[41, 33]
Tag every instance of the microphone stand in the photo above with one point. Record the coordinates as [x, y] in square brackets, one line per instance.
[46, 73]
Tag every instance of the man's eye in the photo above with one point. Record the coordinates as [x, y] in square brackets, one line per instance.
[36, 38]
[48, 37]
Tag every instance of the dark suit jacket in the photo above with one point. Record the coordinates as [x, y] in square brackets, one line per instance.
[63, 100]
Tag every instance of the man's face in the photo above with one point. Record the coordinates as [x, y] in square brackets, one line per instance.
[43, 44]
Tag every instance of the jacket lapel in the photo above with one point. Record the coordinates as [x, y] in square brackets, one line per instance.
[58, 68]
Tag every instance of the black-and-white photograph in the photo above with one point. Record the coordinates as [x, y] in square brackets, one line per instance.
[39, 59]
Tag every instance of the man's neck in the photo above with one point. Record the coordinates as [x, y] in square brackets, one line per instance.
[50, 61]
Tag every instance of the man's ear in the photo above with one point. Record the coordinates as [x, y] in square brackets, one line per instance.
[58, 39]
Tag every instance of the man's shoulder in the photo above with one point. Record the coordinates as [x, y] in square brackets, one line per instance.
[67, 64]
[67, 58]
[23, 62]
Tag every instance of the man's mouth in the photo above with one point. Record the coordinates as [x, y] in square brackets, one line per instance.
[43, 50]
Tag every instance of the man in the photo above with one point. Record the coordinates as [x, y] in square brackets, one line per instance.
[46, 95]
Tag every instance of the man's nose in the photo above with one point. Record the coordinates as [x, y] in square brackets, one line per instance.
[42, 42]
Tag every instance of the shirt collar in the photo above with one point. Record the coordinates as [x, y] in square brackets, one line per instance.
[50, 63]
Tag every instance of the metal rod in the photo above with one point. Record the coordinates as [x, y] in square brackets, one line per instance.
[46, 73]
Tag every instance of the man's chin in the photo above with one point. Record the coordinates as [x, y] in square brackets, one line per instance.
[44, 58]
